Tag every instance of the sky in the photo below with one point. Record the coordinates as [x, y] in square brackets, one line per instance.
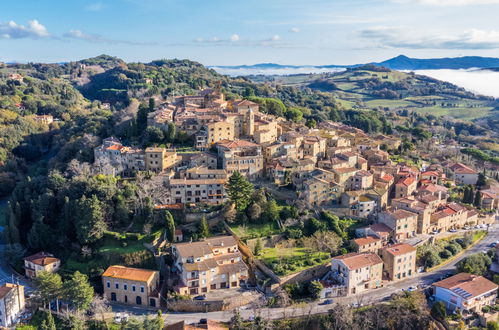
[233, 32]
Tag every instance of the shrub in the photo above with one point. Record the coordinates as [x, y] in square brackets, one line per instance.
[445, 254]
[453, 248]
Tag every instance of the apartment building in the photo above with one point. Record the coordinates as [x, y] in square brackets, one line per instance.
[399, 261]
[159, 159]
[450, 216]
[214, 132]
[203, 172]
[403, 223]
[466, 292]
[367, 244]
[41, 262]
[242, 156]
[358, 272]
[197, 191]
[132, 286]
[11, 304]
[208, 265]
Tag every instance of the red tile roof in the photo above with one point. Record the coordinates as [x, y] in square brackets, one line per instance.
[467, 285]
[359, 260]
[399, 249]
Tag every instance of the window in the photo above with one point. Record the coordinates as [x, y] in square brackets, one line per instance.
[141, 289]
[117, 285]
[133, 288]
[108, 284]
[125, 286]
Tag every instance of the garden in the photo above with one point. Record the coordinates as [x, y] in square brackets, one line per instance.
[445, 249]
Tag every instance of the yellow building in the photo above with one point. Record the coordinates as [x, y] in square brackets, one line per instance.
[159, 159]
[399, 261]
[132, 286]
[367, 244]
[404, 223]
[41, 262]
[358, 272]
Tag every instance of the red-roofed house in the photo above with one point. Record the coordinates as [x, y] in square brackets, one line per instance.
[403, 223]
[367, 244]
[466, 292]
[358, 272]
[41, 262]
[405, 187]
[463, 174]
[399, 261]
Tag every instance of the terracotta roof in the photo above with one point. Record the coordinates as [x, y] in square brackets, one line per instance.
[237, 144]
[197, 181]
[387, 177]
[245, 102]
[406, 181]
[199, 249]
[467, 285]
[344, 170]
[6, 288]
[366, 240]
[462, 169]
[359, 260]
[399, 249]
[401, 214]
[128, 273]
[42, 259]
[380, 228]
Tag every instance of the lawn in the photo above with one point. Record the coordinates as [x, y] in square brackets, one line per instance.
[463, 113]
[254, 230]
[285, 261]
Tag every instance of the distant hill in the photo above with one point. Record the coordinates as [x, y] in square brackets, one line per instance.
[403, 62]
[400, 62]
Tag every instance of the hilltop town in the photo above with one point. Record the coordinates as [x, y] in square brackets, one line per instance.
[208, 202]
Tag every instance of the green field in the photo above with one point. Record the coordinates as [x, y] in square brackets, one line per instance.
[254, 230]
[463, 113]
[285, 261]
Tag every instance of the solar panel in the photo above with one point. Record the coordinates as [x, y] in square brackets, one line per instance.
[463, 293]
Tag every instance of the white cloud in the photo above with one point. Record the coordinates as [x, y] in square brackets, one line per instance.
[234, 37]
[294, 30]
[12, 30]
[402, 37]
[97, 38]
[446, 3]
[276, 37]
[98, 6]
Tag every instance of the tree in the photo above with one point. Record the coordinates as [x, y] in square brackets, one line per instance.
[48, 323]
[430, 258]
[239, 190]
[171, 132]
[271, 211]
[13, 253]
[100, 306]
[156, 323]
[477, 264]
[230, 213]
[254, 212]
[236, 321]
[203, 229]
[258, 247]
[49, 286]
[152, 104]
[477, 202]
[90, 223]
[492, 325]
[170, 226]
[79, 291]
[142, 117]
[439, 311]
[482, 180]
[314, 289]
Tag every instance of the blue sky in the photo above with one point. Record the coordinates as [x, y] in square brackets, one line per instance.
[228, 32]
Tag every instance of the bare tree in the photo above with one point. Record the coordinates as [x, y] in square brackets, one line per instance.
[100, 306]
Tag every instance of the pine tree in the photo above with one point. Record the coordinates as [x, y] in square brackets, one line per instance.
[48, 323]
[12, 232]
[151, 104]
[239, 190]
[90, 222]
[204, 229]
[171, 132]
[78, 291]
[170, 227]
[478, 199]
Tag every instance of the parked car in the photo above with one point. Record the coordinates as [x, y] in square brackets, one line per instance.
[327, 302]
[452, 230]
[411, 289]
[200, 297]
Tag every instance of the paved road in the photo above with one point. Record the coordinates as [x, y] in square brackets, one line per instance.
[367, 298]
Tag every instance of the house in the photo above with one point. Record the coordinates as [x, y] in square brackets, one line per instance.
[132, 286]
[367, 244]
[466, 292]
[364, 207]
[463, 174]
[399, 261]
[358, 272]
[242, 156]
[490, 199]
[379, 230]
[44, 119]
[179, 235]
[405, 187]
[403, 223]
[208, 265]
[41, 262]
[361, 180]
[11, 304]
